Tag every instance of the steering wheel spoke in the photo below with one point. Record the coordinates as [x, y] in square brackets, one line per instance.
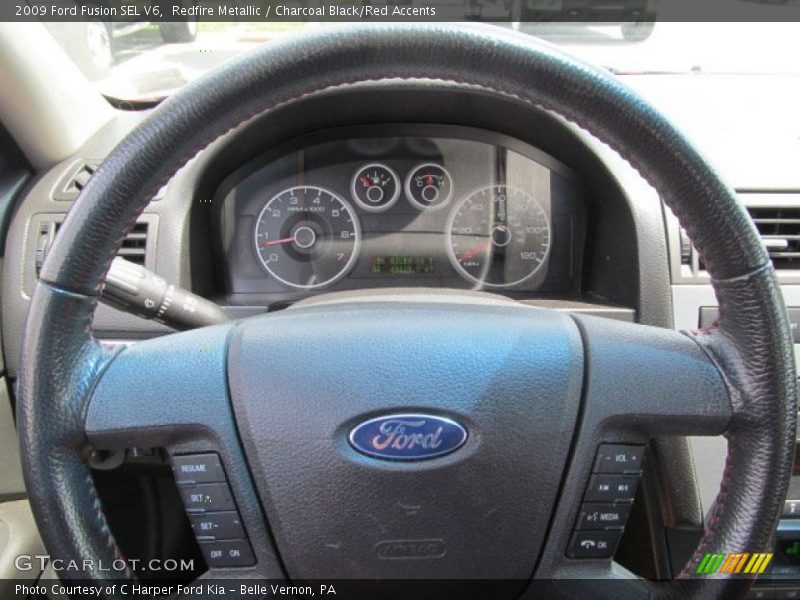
[643, 382]
[640, 382]
[163, 391]
[172, 393]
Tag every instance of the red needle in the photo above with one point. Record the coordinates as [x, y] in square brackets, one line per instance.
[366, 181]
[275, 242]
[475, 250]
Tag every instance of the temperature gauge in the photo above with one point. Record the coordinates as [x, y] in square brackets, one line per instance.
[429, 186]
[375, 187]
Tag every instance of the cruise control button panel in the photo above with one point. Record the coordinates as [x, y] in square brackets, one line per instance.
[607, 501]
[212, 510]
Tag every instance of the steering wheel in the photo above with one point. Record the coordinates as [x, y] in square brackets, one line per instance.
[536, 392]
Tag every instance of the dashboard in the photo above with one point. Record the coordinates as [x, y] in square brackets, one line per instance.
[420, 206]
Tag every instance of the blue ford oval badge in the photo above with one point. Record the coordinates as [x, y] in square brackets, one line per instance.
[408, 437]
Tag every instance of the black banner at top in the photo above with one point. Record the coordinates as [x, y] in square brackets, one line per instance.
[584, 11]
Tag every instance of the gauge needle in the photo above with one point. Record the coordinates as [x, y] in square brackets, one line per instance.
[275, 242]
[366, 181]
[475, 250]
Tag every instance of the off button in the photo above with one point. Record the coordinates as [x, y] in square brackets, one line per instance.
[233, 553]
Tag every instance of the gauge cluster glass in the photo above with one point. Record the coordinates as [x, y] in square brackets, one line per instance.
[402, 206]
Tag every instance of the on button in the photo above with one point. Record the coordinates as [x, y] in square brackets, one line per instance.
[233, 553]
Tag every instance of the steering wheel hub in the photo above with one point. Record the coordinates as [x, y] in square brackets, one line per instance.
[304, 380]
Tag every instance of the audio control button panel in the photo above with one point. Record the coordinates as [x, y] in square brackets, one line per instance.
[607, 501]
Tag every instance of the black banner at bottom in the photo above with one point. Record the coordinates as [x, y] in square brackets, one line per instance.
[352, 589]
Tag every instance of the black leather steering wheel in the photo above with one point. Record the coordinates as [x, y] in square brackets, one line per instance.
[560, 385]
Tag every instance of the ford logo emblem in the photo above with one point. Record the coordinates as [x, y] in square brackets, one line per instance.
[408, 437]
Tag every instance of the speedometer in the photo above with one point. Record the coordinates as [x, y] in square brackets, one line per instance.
[307, 237]
[498, 236]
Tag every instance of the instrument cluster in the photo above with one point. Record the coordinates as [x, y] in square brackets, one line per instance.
[425, 206]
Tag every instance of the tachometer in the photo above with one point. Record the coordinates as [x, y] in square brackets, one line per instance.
[498, 236]
[307, 237]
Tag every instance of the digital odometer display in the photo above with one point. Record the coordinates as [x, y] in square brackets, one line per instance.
[402, 265]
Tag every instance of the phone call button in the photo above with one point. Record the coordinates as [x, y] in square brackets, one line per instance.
[594, 544]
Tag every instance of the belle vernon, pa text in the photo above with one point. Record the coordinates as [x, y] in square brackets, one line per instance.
[137, 590]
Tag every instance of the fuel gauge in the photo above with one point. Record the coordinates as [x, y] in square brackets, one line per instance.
[375, 187]
[429, 186]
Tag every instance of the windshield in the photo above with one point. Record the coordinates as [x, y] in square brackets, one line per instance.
[143, 61]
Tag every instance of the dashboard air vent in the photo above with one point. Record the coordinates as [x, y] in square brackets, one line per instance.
[690, 259]
[776, 215]
[133, 249]
[779, 228]
[74, 180]
[135, 244]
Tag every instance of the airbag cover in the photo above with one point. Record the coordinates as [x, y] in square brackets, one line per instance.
[303, 380]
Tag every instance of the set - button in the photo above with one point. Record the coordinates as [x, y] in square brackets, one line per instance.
[217, 526]
[212, 510]
[607, 501]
